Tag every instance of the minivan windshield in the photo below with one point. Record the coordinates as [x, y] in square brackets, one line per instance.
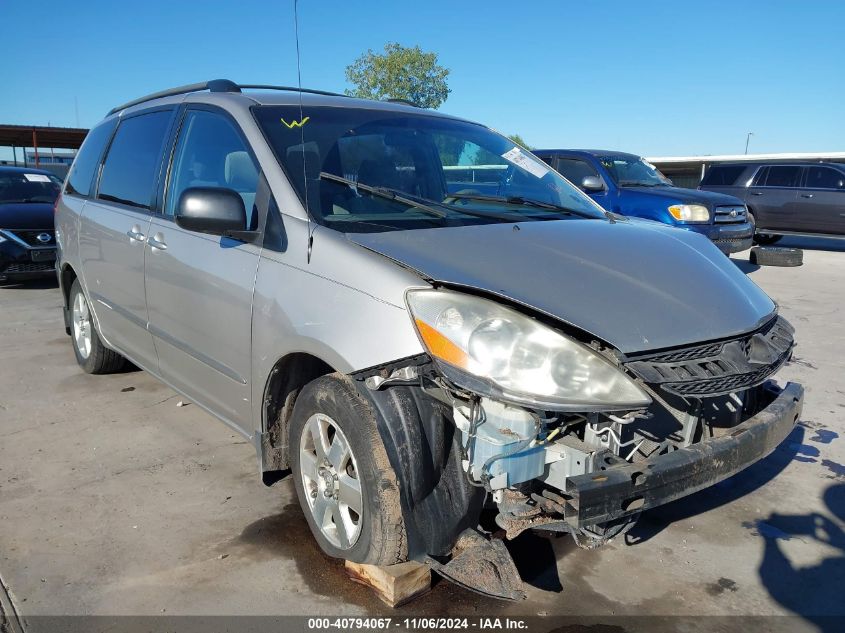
[629, 171]
[365, 170]
[25, 187]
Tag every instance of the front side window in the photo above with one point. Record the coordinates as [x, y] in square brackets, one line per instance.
[783, 176]
[82, 173]
[132, 163]
[25, 188]
[633, 172]
[211, 153]
[825, 178]
[414, 170]
[575, 170]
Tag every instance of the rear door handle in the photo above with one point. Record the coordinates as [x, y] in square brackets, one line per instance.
[157, 243]
[756, 193]
[806, 195]
[135, 234]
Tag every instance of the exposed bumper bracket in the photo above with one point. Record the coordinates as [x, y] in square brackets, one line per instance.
[624, 490]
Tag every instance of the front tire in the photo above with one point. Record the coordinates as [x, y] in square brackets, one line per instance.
[345, 484]
[91, 354]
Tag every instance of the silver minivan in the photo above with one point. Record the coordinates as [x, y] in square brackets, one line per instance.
[415, 318]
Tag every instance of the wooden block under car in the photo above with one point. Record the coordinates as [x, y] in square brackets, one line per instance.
[394, 584]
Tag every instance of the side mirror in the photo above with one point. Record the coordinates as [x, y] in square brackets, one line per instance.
[592, 184]
[214, 210]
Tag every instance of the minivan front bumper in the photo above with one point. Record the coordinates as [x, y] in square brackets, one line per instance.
[624, 490]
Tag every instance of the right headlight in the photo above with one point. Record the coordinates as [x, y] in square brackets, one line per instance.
[477, 342]
[690, 212]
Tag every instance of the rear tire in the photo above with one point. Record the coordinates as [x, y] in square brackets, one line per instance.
[339, 462]
[776, 256]
[91, 354]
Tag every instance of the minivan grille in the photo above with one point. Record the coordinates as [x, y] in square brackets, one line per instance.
[729, 214]
[713, 369]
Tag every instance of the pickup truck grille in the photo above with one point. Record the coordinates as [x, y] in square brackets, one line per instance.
[31, 237]
[715, 369]
[729, 214]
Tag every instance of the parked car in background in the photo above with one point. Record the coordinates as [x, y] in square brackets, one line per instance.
[305, 267]
[27, 237]
[785, 199]
[628, 185]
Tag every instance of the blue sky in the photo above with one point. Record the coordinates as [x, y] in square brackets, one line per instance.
[655, 78]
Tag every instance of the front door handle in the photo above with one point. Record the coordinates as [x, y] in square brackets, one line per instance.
[157, 242]
[806, 195]
[135, 234]
[756, 193]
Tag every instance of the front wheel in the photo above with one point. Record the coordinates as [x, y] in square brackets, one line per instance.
[91, 354]
[344, 481]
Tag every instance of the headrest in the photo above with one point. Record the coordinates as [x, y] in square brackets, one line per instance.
[240, 172]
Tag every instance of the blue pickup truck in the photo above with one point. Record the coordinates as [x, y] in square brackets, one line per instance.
[629, 185]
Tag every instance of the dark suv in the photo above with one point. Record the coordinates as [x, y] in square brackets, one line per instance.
[27, 242]
[785, 199]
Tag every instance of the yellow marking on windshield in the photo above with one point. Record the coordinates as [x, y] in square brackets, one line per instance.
[294, 124]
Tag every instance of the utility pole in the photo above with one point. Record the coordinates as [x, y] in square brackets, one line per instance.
[748, 138]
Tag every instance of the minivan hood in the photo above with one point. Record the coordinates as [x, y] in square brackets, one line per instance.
[637, 285]
[679, 195]
[33, 216]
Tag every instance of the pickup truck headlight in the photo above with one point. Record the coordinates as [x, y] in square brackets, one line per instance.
[523, 360]
[690, 212]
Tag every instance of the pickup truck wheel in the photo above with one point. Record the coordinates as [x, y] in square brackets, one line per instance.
[761, 238]
[345, 484]
[91, 354]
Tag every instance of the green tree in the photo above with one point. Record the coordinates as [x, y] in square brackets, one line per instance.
[399, 73]
[516, 138]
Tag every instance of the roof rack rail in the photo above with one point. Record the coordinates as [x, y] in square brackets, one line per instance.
[215, 85]
[405, 101]
[291, 89]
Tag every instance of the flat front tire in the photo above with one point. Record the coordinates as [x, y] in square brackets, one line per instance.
[345, 484]
[91, 354]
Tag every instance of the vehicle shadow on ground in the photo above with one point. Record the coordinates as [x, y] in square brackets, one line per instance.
[814, 592]
[31, 284]
[813, 243]
[745, 265]
[755, 476]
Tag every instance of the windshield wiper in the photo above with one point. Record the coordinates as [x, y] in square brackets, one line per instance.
[424, 204]
[637, 183]
[528, 202]
[383, 192]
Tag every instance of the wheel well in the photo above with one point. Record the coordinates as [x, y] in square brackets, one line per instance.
[287, 378]
[67, 278]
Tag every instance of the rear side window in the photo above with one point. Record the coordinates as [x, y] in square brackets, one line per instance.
[783, 176]
[132, 163]
[722, 175]
[575, 170]
[825, 178]
[82, 173]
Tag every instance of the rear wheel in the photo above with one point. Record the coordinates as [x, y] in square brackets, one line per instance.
[344, 481]
[91, 354]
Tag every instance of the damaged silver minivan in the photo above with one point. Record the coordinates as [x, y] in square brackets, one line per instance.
[416, 319]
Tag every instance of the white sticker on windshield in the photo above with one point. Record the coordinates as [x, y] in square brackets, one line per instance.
[528, 163]
[37, 177]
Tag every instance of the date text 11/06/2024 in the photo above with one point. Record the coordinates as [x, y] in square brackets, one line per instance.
[430, 624]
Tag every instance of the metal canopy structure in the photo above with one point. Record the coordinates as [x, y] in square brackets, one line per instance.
[36, 136]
